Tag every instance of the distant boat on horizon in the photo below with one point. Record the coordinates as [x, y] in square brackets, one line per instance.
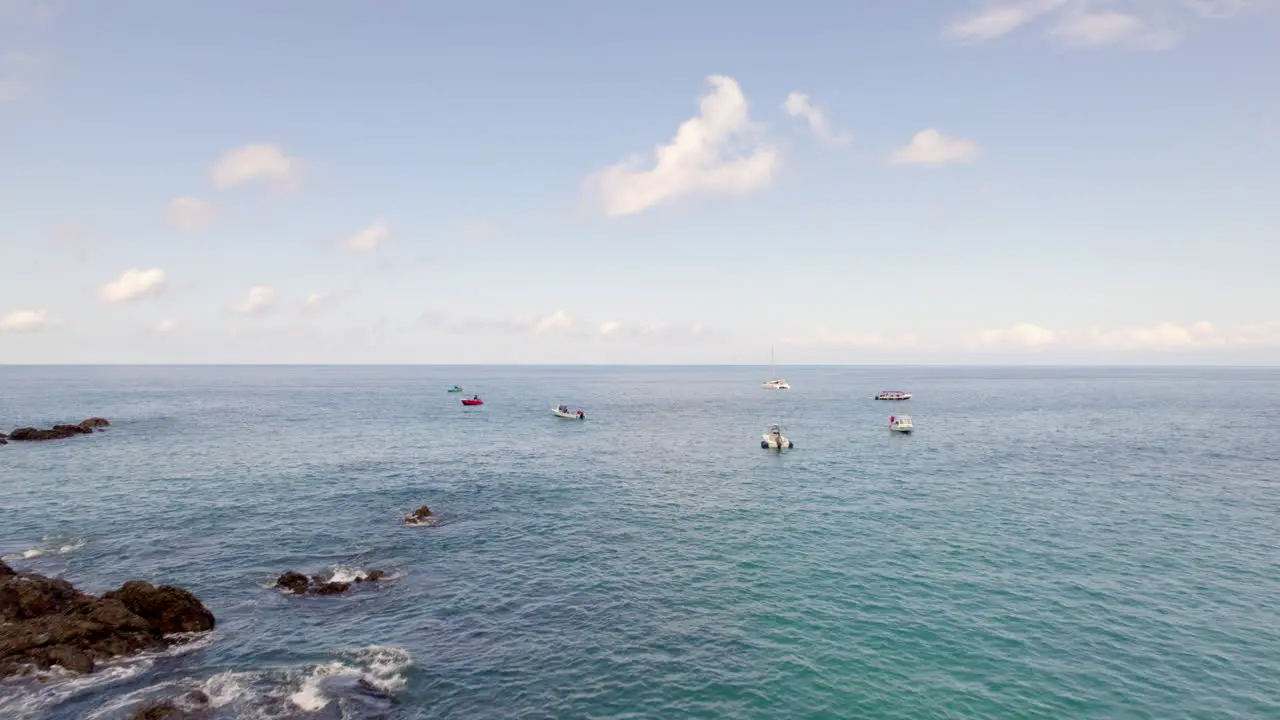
[774, 382]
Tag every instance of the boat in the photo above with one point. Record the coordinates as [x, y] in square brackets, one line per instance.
[455, 388]
[774, 382]
[473, 400]
[775, 438]
[893, 395]
[901, 423]
[568, 412]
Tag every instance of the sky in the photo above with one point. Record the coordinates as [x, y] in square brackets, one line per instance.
[959, 182]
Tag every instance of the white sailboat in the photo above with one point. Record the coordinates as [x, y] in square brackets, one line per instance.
[774, 382]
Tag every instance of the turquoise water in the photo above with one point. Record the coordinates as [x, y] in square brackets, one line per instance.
[1049, 543]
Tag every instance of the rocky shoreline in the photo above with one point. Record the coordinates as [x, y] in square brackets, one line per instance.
[47, 621]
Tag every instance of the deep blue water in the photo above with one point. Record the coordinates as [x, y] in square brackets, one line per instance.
[1049, 543]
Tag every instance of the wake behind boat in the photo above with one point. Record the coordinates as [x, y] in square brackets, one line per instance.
[569, 412]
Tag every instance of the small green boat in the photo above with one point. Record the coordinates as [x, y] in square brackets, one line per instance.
[455, 388]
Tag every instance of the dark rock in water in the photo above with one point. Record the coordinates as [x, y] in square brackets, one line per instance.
[191, 705]
[421, 516]
[156, 710]
[166, 608]
[330, 588]
[46, 621]
[3, 441]
[95, 422]
[58, 432]
[294, 582]
[299, 584]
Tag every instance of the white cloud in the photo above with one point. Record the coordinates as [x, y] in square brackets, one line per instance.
[257, 300]
[557, 321]
[1085, 23]
[930, 147]
[25, 321]
[997, 19]
[189, 213]
[17, 70]
[609, 328]
[718, 151]
[369, 238]
[1021, 335]
[798, 105]
[1164, 336]
[1219, 9]
[317, 301]
[256, 163]
[133, 284]
[166, 326]
[479, 230]
[1098, 28]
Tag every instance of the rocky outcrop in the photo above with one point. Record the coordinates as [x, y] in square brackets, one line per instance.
[191, 705]
[295, 582]
[421, 516]
[58, 432]
[46, 621]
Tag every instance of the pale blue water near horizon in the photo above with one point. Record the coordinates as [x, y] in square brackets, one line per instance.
[1051, 542]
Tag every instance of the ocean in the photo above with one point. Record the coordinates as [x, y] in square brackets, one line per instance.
[1049, 543]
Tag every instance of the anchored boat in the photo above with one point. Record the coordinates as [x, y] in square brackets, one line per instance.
[568, 412]
[473, 400]
[775, 438]
[894, 395]
[901, 423]
[774, 382]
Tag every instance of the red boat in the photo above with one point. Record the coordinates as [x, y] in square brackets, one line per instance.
[473, 400]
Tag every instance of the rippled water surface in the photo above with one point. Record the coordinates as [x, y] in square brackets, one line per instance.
[1049, 543]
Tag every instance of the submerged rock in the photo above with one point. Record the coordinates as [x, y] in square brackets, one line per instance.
[421, 516]
[46, 621]
[190, 705]
[299, 584]
[294, 582]
[330, 588]
[58, 432]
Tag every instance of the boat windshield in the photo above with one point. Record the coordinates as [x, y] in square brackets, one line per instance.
[775, 430]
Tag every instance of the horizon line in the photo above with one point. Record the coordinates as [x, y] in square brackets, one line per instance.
[1269, 366]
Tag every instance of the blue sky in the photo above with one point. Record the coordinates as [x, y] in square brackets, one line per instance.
[857, 182]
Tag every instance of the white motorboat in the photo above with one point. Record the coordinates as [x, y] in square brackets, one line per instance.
[894, 395]
[901, 423]
[774, 382]
[568, 413]
[775, 438]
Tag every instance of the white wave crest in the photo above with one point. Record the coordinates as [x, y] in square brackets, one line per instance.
[378, 667]
[50, 545]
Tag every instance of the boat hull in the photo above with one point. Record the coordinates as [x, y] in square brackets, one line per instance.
[472, 403]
